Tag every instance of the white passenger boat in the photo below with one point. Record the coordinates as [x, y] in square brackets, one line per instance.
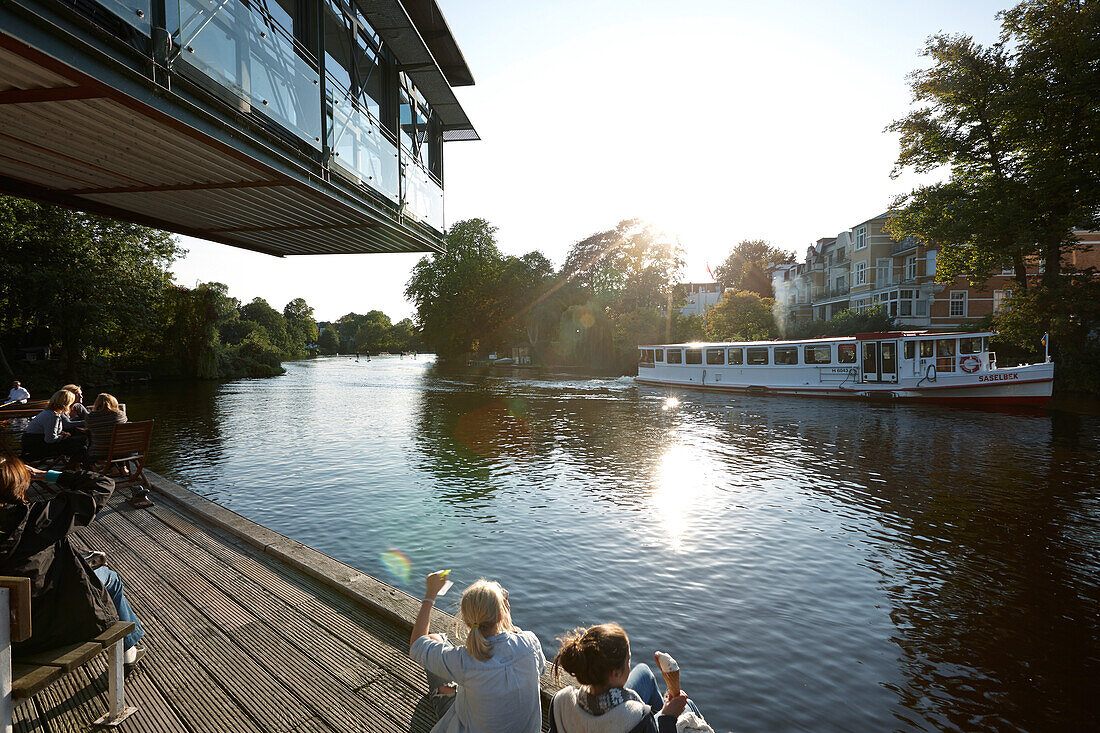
[902, 365]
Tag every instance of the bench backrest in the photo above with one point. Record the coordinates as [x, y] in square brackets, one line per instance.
[19, 602]
[130, 438]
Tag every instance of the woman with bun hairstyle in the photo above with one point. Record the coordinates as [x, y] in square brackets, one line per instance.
[491, 685]
[613, 698]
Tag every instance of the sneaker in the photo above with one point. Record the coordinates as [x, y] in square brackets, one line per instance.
[134, 654]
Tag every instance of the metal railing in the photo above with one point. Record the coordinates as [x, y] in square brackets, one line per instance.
[904, 245]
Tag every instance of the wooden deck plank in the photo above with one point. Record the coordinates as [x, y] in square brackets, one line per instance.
[252, 688]
[341, 701]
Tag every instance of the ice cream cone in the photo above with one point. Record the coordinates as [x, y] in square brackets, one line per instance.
[672, 681]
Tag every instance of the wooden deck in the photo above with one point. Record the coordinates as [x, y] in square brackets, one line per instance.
[246, 631]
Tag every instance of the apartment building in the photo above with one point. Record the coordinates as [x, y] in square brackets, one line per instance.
[866, 267]
[699, 297]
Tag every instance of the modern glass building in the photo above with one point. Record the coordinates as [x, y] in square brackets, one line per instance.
[283, 126]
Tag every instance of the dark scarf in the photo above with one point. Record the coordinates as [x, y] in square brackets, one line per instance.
[600, 704]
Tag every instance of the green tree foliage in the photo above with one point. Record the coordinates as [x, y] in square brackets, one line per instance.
[300, 323]
[373, 332]
[473, 298]
[1071, 315]
[741, 315]
[268, 325]
[92, 284]
[845, 323]
[1017, 126]
[747, 267]
[329, 341]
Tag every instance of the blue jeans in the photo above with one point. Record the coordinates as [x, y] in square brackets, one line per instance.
[113, 584]
[642, 681]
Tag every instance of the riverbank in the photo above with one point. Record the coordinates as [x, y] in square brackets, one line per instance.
[247, 630]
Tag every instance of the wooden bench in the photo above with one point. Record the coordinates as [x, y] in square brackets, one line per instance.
[23, 677]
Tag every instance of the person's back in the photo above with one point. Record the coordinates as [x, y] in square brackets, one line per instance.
[500, 694]
[491, 685]
[100, 424]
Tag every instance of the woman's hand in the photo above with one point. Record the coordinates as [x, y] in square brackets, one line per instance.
[434, 583]
[675, 705]
[37, 474]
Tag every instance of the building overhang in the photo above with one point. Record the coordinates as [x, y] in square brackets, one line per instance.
[83, 125]
[419, 35]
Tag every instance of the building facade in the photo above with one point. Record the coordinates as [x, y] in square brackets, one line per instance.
[286, 127]
[699, 297]
[866, 268]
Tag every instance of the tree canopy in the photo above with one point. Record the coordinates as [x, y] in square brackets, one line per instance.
[1017, 127]
[748, 265]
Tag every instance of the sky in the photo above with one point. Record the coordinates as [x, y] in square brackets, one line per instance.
[716, 121]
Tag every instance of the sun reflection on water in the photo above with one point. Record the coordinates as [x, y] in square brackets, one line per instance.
[671, 403]
[682, 482]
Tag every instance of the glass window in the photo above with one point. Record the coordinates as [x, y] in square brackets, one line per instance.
[758, 355]
[735, 356]
[970, 346]
[908, 349]
[926, 348]
[861, 237]
[870, 357]
[817, 354]
[846, 353]
[675, 356]
[659, 355]
[911, 267]
[694, 356]
[861, 273]
[958, 303]
[999, 300]
[786, 354]
[716, 356]
[945, 355]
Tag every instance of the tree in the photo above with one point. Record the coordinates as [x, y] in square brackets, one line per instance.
[457, 293]
[741, 315]
[300, 323]
[628, 267]
[91, 282]
[272, 323]
[748, 265]
[373, 332]
[329, 341]
[1017, 126]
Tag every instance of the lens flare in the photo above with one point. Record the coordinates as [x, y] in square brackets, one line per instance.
[398, 564]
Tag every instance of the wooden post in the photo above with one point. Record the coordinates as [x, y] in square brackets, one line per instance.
[6, 706]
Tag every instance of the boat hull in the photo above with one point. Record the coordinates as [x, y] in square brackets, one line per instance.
[1031, 385]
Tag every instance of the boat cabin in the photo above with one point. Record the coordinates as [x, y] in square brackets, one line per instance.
[869, 357]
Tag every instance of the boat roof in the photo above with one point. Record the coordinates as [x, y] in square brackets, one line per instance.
[871, 336]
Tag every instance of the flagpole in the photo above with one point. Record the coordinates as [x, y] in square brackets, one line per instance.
[1046, 346]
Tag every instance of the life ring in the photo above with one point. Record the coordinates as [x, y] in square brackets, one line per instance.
[970, 364]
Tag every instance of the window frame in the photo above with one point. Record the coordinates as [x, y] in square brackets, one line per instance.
[750, 355]
[861, 237]
[678, 353]
[740, 356]
[690, 356]
[843, 349]
[860, 271]
[816, 349]
[787, 352]
[719, 352]
[952, 300]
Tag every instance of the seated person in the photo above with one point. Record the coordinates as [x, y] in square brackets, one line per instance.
[77, 412]
[18, 394]
[69, 602]
[100, 424]
[45, 435]
[613, 697]
[497, 672]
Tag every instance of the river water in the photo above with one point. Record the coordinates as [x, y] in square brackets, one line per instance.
[813, 565]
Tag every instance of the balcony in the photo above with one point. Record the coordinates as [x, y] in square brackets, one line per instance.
[905, 245]
[222, 125]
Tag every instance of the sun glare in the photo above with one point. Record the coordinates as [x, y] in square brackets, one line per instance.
[682, 481]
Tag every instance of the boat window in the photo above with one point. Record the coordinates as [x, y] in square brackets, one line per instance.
[675, 356]
[870, 357]
[646, 356]
[659, 354]
[846, 353]
[694, 356]
[758, 355]
[970, 346]
[926, 349]
[716, 356]
[819, 354]
[908, 349]
[786, 354]
[735, 356]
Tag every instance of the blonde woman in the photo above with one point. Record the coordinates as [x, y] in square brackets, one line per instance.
[77, 411]
[46, 436]
[100, 423]
[491, 685]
